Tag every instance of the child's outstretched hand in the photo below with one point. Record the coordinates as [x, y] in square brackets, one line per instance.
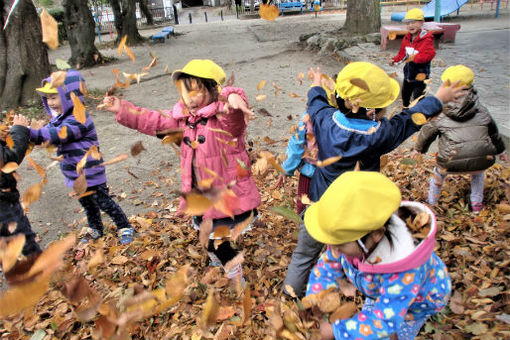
[111, 103]
[37, 124]
[450, 92]
[236, 102]
[503, 157]
[20, 120]
[316, 76]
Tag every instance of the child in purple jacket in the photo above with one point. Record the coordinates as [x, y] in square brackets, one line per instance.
[73, 139]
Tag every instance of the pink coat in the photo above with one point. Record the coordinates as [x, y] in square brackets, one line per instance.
[208, 154]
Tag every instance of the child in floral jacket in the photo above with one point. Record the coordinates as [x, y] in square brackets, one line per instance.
[370, 245]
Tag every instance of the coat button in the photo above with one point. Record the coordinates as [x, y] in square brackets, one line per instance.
[201, 139]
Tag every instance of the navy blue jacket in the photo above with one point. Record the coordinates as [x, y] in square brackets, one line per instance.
[357, 139]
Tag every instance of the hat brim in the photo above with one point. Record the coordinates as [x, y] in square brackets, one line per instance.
[395, 91]
[176, 74]
[46, 90]
[312, 224]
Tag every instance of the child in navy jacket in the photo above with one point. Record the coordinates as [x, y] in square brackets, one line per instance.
[358, 140]
[12, 218]
[417, 51]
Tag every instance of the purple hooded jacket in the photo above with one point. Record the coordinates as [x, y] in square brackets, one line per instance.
[80, 137]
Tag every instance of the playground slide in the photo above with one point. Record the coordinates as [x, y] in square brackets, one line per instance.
[447, 7]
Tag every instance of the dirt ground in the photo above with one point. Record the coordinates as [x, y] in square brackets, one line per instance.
[254, 50]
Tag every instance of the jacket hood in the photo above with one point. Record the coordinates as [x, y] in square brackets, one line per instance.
[71, 84]
[464, 110]
[404, 255]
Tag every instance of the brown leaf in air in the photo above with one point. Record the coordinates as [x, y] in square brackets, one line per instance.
[210, 310]
[137, 148]
[419, 118]
[261, 85]
[79, 110]
[196, 204]
[10, 249]
[329, 161]
[260, 97]
[122, 43]
[80, 184]
[49, 28]
[9, 167]
[117, 159]
[32, 194]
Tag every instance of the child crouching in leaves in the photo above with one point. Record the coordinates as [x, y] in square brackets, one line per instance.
[213, 121]
[13, 220]
[73, 144]
[363, 221]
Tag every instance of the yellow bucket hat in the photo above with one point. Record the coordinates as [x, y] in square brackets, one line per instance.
[46, 89]
[458, 73]
[202, 68]
[356, 203]
[414, 15]
[366, 84]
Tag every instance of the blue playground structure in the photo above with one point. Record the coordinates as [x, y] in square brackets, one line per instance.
[447, 7]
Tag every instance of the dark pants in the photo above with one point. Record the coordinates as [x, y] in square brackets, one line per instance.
[304, 257]
[13, 212]
[225, 252]
[411, 91]
[302, 189]
[101, 200]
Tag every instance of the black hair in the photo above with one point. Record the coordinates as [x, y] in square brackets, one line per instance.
[387, 233]
[210, 85]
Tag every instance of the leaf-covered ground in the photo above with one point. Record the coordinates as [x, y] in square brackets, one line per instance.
[161, 287]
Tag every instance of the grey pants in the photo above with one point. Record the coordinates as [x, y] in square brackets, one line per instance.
[303, 259]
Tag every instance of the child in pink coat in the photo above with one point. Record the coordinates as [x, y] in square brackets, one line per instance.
[213, 121]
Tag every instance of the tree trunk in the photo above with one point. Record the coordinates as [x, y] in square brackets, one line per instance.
[363, 16]
[125, 21]
[81, 34]
[146, 12]
[23, 56]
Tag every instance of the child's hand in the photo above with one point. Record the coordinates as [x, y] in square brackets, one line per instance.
[450, 92]
[236, 102]
[504, 157]
[316, 76]
[37, 124]
[326, 331]
[391, 62]
[111, 103]
[20, 120]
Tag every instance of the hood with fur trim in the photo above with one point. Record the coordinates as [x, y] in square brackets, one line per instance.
[405, 254]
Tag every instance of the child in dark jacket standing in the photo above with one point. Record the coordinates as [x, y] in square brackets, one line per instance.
[417, 51]
[73, 139]
[357, 138]
[362, 220]
[12, 218]
[468, 139]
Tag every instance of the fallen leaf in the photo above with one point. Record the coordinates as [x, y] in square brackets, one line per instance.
[260, 97]
[137, 148]
[345, 311]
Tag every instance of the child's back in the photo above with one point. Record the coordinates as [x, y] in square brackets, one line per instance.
[467, 134]
[468, 139]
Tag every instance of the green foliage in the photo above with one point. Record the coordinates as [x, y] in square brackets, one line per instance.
[47, 3]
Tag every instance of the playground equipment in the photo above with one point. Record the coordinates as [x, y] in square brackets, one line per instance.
[446, 7]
